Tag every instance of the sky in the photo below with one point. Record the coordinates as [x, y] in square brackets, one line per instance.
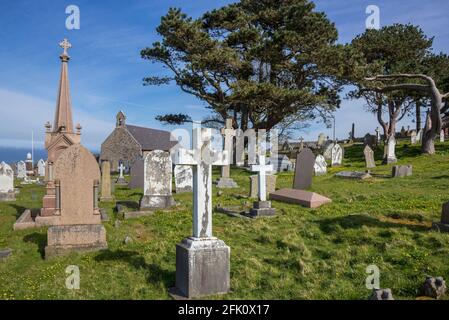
[106, 69]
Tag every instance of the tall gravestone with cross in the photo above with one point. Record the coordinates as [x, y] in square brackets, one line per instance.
[262, 207]
[202, 261]
[121, 178]
[228, 133]
[6, 183]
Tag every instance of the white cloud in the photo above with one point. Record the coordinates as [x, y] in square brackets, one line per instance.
[21, 114]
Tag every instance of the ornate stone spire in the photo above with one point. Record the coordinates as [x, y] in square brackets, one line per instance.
[63, 116]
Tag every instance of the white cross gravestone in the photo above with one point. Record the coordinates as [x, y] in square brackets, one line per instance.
[320, 165]
[390, 156]
[336, 155]
[41, 168]
[6, 183]
[228, 133]
[262, 207]
[121, 179]
[21, 170]
[202, 261]
[442, 136]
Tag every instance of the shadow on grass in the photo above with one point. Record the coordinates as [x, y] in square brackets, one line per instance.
[19, 209]
[358, 221]
[444, 176]
[39, 239]
[155, 272]
[129, 204]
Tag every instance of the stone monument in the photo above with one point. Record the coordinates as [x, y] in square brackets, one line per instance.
[228, 133]
[262, 207]
[305, 162]
[6, 183]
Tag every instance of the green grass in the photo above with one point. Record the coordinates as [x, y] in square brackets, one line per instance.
[299, 254]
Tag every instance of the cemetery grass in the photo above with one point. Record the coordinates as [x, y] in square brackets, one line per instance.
[299, 254]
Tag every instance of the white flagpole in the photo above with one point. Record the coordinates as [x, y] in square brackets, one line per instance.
[32, 147]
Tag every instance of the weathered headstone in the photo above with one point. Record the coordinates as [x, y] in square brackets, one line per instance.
[327, 150]
[183, 179]
[443, 225]
[21, 170]
[262, 207]
[136, 174]
[413, 137]
[202, 261]
[321, 139]
[401, 171]
[254, 185]
[41, 168]
[320, 165]
[369, 157]
[6, 183]
[390, 151]
[280, 163]
[157, 189]
[442, 136]
[305, 162]
[337, 155]
[106, 181]
[353, 175]
[78, 226]
[228, 134]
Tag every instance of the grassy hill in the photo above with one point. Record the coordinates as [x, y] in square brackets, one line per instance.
[299, 254]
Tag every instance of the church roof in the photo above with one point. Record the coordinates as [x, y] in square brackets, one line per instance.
[151, 139]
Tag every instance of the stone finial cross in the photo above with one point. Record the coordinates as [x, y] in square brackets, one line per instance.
[65, 44]
[228, 133]
[202, 158]
[262, 170]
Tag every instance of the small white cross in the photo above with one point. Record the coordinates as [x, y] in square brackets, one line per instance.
[262, 170]
[121, 168]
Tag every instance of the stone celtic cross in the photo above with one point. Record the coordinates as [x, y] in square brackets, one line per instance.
[65, 44]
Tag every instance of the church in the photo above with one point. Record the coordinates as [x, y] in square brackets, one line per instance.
[128, 143]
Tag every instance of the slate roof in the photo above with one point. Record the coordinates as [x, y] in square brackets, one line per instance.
[151, 139]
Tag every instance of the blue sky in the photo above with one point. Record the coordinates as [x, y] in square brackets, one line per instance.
[106, 70]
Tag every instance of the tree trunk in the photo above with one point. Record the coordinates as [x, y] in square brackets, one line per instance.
[418, 115]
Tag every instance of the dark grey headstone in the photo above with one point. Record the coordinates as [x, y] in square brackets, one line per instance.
[305, 162]
[137, 174]
[445, 213]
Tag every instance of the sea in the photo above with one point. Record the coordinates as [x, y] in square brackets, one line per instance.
[12, 155]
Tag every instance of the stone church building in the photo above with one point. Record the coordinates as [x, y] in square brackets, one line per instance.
[128, 143]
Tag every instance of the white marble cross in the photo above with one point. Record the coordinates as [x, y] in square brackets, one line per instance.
[262, 170]
[121, 168]
[202, 158]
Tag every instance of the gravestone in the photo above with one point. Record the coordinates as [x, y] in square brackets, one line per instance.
[202, 261]
[443, 225]
[183, 179]
[413, 137]
[41, 168]
[305, 162]
[21, 170]
[6, 183]
[280, 163]
[321, 139]
[270, 180]
[78, 221]
[228, 134]
[402, 171]
[337, 155]
[106, 181]
[121, 181]
[353, 175]
[136, 174]
[29, 165]
[262, 207]
[442, 136]
[327, 153]
[369, 140]
[390, 151]
[419, 135]
[320, 165]
[157, 186]
[304, 198]
[378, 136]
[369, 157]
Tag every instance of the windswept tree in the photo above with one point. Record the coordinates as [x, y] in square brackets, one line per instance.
[393, 49]
[263, 62]
[424, 85]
